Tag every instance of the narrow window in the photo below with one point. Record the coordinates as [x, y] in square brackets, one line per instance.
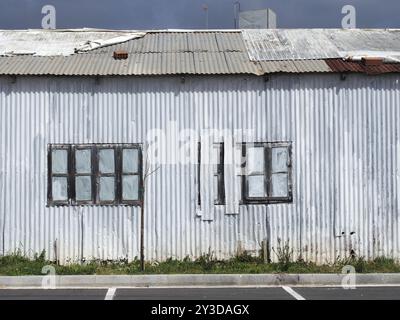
[107, 181]
[83, 175]
[219, 183]
[218, 173]
[130, 174]
[59, 174]
[279, 172]
[267, 176]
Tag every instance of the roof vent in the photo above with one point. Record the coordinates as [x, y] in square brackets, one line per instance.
[372, 61]
[120, 54]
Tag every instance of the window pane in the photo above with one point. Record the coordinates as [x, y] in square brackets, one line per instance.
[83, 188]
[59, 163]
[255, 159]
[106, 161]
[83, 161]
[130, 187]
[279, 160]
[107, 189]
[130, 160]
[60, 189]
[279, 185]
[256, 186]
[216, 157]
[215, 181]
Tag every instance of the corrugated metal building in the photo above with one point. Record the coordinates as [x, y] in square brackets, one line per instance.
[302, 126]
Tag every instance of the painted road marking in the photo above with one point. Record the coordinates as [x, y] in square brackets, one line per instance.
[293, 293]
[110, 294]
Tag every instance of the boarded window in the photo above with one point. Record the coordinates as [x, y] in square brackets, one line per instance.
[267, 175]
[217, 161]
[94, 174]
[219, 183]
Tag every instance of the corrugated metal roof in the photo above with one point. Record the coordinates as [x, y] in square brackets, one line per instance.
[196, 52]
[154, 64]
[296, 66]
[306, 44]
[51, 42]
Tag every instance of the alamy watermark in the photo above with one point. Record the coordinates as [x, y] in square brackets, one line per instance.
[349, 19]
[49, 280]
[49, 18]
[349, 280]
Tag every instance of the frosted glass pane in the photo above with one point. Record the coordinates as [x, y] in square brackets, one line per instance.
[256, 186]
[83, 161]
[83, 188]
[130, 187]
[60, 189]
[107, 190]
[216, 157]
[215, 181]
[279, 185]
[279, 159]
[59, 163]
[130, 160]
[255, 159]
[106, 161]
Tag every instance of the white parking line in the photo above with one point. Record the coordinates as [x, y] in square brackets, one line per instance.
[110, 294]
[293, 293]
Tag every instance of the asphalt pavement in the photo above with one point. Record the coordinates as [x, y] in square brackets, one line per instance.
[210, 293]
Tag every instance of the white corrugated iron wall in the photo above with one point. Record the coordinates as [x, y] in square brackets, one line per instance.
[346, 164]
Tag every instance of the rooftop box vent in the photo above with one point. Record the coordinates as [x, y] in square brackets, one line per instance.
[372, 61]
[120, 54]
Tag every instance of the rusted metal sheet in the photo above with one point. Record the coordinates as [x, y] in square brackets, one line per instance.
[345, 164]
[340, 65]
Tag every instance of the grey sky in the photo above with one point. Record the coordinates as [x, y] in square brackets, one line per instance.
[160, 14]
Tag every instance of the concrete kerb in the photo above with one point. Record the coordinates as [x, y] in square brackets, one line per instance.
[140, 281]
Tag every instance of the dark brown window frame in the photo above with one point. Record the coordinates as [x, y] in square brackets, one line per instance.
[50, 174]
[138, 173]
[267, 173]
[75, 174]
[95, 174]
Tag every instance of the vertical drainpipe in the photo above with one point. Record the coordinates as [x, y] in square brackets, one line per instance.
[267, 247]
[82, 234]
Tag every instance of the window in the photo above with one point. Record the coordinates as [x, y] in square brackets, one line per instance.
[267, 176]
[219, 183]
[94, 174]
[83, 173]
[218, 173]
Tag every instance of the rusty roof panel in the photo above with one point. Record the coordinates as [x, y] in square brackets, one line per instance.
[340, 65]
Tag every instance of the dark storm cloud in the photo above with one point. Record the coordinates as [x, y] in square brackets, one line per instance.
[159, 14]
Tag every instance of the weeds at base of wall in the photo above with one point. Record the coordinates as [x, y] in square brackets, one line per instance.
[18, 264]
